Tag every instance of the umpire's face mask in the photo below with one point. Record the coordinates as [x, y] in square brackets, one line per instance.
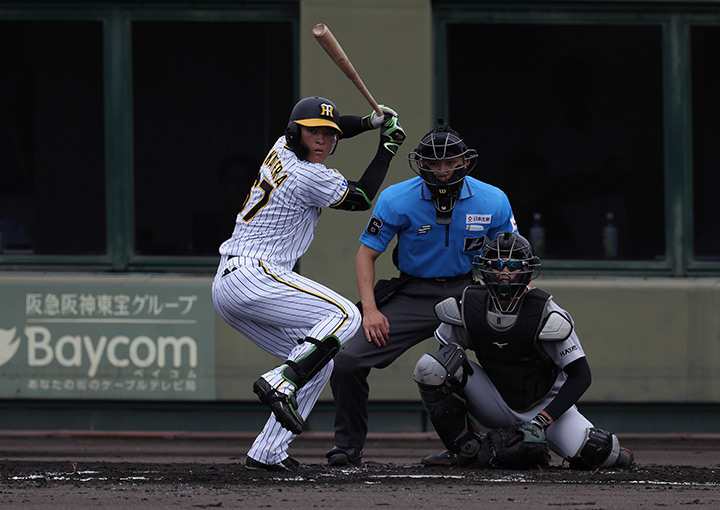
[444, 179]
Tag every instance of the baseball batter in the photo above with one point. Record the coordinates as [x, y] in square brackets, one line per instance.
[256, 290]
[531, 372]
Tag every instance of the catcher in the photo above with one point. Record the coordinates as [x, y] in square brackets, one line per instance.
[531, 372]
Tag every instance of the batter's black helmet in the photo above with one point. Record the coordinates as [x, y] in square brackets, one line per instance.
[443, 142]
[512, 251]
[311, 112]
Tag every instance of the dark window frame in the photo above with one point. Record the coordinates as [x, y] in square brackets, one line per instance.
[117, 69]
[674, 21]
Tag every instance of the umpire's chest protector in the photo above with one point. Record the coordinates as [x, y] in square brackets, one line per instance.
[512, 358]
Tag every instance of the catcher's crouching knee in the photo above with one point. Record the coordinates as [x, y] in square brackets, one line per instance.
[600, 449]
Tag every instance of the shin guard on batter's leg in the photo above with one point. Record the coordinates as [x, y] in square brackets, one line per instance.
[282, 401]
[301, 371]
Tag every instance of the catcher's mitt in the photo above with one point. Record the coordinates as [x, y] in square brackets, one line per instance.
[505, 448]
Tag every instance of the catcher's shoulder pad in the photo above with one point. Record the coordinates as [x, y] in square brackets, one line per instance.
[448, 311]
[555, 328]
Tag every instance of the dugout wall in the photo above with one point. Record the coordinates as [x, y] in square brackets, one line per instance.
[130, 130]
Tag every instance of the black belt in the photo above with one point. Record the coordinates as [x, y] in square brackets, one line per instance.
[466, 276]
[228, 271]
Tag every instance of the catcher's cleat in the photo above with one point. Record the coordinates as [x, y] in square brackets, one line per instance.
[340, 456]
[625, 458]
[446, 458]
[288, 464]
[284, 407]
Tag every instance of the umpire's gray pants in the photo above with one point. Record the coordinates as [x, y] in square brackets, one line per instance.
[411, 314]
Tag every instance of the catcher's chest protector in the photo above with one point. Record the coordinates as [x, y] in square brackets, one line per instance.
[514, 344]
[512, 359]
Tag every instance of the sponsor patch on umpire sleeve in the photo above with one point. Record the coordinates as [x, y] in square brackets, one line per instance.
[374, 226]
[473, 243]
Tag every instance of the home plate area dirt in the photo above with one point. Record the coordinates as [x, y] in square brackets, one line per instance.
[197, 474]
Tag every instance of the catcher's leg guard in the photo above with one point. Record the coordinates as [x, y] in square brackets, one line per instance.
[448, 365]
[600, 449]
[447, 409]
[301, 371]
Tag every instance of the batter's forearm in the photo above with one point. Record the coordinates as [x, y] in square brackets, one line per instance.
[375, 173]
[351, 125]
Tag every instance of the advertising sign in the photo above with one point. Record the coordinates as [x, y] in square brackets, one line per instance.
[137, 338]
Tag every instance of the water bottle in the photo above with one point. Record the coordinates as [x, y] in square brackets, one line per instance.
[537, 235]
[610, 246]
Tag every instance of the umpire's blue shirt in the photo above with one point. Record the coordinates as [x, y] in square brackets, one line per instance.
[429, 250]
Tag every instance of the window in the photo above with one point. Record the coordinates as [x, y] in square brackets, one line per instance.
[130, 136]
[706, 132]
[52, 159]
[568, 121]
[209, 99]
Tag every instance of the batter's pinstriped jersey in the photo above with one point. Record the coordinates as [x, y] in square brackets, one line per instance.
[278, 221]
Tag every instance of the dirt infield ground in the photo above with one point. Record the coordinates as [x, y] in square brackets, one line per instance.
[56, 470]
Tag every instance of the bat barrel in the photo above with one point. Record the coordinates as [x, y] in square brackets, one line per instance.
[325, 38]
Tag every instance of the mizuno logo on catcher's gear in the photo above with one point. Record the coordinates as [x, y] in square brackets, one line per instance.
[500, 346]
[326, 110]
[424, 229]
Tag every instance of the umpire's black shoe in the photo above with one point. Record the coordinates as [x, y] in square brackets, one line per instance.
[288, 464]
[446, 458]
[284, 407]
[341, 456]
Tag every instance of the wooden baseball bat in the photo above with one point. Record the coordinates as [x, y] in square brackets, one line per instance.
[332, 47]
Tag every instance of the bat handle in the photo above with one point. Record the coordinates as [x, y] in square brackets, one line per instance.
[375, 106]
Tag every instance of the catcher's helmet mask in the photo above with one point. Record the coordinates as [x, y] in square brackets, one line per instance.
[314, 111]
[440, 144]
[511, 250]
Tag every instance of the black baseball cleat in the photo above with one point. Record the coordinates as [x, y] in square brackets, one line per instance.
[341, 456]
[288, 464]
[284, 407]
[446, 458]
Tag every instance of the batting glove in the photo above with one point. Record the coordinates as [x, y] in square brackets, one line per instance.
[392, 135]
[374, 121]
